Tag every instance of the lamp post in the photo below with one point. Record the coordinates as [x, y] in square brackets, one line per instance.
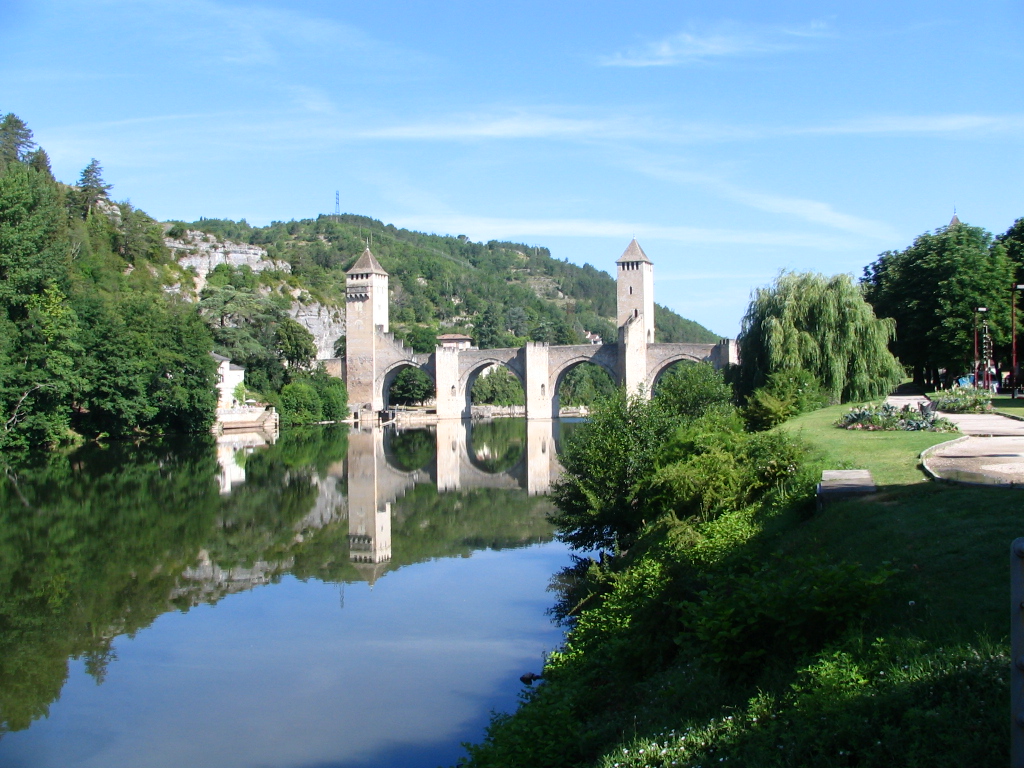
[976, 360]
[1013, 339]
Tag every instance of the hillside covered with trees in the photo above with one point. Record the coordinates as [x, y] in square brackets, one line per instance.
[501, 293]
[103, 333]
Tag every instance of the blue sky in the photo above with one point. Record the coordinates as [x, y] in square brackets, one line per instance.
[734, 139]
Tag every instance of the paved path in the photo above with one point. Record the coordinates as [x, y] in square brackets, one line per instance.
[989, 460]
[991, 453]
[980, 424]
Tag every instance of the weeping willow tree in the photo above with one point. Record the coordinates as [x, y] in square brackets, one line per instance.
[822, 325]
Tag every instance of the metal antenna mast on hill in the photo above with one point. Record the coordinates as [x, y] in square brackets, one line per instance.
[337, 203]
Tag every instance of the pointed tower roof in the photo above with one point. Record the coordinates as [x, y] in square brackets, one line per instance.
[367, 263]
[633, 252]
[954, 221]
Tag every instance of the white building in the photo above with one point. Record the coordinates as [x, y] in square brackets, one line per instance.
[229, 376]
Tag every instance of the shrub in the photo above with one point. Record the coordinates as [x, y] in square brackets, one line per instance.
[963, 400]
[889, 418]
[333, 395]
[691, 390]
[300, 403]
[786, 393]
[787, 607]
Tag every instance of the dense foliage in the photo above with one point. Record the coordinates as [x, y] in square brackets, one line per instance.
[932, 289]
[821, 325]
[502, 294]
[731, 625]
[94, 339]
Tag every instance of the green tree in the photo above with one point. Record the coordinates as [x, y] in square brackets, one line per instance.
[422, 339]
[487, 331]
[601, 494]
[931, 291]
[1013, 241]
[410, 386]
[16, 142]
[38, 329]
[294, 343]
[821, 325]
[498, 387]
[585, 384]
[691, 390]
[91, 186]
[332, 393]
[300, 403]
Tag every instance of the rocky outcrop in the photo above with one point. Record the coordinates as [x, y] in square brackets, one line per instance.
[326, 324]
[205, 252]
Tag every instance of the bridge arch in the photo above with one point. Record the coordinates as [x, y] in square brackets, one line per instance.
[660, 368]
[387, 378]
[476, 366]
[558, 375]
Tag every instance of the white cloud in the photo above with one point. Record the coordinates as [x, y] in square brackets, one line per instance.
[730, 41]
[520, 125]
[486, 228]
[812, 211]
[915, 125]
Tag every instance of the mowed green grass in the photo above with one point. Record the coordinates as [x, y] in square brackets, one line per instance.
[1009, 405]
[892, 457]
[950, 543]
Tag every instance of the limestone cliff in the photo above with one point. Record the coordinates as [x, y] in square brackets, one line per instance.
[326, 324]
[204, 252]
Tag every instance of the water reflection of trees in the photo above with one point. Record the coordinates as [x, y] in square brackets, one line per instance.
[411, 449]
[102, 541]
[498, 446]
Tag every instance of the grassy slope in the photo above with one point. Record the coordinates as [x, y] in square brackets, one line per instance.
[922, 682]
[951, 542]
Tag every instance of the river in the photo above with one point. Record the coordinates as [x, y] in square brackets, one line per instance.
[328, 598]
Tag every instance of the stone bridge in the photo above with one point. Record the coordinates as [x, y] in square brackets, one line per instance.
[375, 357]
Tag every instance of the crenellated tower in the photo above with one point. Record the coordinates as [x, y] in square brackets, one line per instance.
[366, 316]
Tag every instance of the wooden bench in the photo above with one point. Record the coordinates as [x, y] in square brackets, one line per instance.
[841, 484]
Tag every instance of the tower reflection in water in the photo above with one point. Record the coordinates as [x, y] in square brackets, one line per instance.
[383, 464]
[461, 461]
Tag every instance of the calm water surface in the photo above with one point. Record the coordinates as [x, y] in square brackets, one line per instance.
[331, 598]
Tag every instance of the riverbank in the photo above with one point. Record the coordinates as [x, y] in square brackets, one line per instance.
[873, 634]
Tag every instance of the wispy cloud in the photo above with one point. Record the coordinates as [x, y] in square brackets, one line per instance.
[812, 211]
[259, 34]
[918, 125]
[729, 40]
[636, 124]
[487, 228]
[518, 125]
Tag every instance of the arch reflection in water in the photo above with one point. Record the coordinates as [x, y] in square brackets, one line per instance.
[379, 474]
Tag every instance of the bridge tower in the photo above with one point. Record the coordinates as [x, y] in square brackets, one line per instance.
[635, 302]
[635, 289]
[366, 318]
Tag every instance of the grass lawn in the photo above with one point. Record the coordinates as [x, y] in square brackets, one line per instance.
[890, 456]
[1009, 405]
[950, 542]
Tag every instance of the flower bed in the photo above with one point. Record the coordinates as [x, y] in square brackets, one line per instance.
[963, 400]
[887, 417]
